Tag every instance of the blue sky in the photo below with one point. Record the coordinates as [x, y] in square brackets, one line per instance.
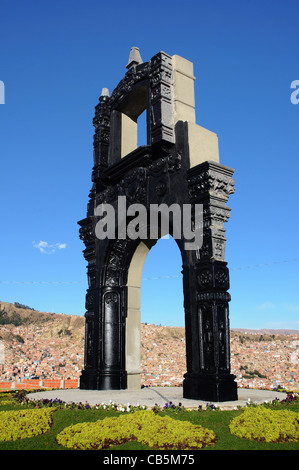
[56, 56]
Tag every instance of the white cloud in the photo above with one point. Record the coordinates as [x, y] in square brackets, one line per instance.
[266, 306]
[45, 247]
[60, 246]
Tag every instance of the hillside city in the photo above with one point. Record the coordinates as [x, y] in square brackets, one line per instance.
[55, 350]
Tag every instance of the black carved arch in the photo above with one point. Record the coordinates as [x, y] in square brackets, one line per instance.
[147, 86]
[134, 102]
[119, 255]
[123, 120]
[160, 172]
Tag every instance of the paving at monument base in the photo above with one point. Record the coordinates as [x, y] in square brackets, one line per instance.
[152, 396]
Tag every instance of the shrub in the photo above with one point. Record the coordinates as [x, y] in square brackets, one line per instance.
[8, 401]
[144, 426]
[7, 319]
[167, 433]
[264, 424]
[18, 305]
[24, 423]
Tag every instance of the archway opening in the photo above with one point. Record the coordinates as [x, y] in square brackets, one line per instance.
[162, 300]
[142, 129]
[155, 346]
[163, 350]
[128, 123]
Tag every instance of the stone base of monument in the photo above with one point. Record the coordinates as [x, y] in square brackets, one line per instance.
[213, 388]
[103, 381]
[208, 388]
[154, 396]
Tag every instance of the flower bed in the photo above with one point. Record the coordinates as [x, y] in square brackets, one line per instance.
[142, 426]
[19, 424]
[264, 424]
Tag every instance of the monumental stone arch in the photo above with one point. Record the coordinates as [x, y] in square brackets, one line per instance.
[179, 165]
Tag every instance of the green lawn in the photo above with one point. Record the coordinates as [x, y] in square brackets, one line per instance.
[218, 421]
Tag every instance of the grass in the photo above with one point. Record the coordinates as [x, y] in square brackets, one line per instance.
[216, 420]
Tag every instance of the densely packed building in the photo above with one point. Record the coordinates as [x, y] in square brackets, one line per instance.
[258, 361]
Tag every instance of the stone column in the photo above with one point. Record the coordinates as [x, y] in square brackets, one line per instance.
[161, 99]
[112, 374]
[206, 282]
[88, 379]
[101, 122]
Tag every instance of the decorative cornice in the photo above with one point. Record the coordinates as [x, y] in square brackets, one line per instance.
[210, 179]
